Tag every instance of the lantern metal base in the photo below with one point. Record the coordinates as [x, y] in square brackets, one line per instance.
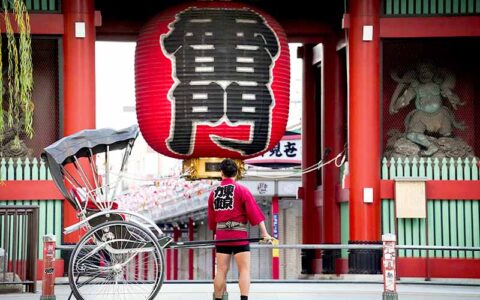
[208, 168]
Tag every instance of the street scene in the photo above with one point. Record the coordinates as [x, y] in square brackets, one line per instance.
[239, 149]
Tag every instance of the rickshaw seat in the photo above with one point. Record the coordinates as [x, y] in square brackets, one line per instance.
[91, 205]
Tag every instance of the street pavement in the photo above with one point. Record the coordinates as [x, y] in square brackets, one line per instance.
[304, 290]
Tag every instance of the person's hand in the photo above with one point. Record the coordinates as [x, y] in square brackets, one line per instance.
[267, 239]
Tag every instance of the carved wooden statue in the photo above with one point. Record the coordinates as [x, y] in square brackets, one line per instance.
[428, 85]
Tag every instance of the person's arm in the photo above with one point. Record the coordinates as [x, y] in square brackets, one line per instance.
[263, 231]
[255, 215]
[212, 223]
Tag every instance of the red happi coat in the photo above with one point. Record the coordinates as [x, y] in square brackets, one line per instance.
[236, 204]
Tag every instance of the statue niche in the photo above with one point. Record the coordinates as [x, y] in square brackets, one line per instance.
[429, 126]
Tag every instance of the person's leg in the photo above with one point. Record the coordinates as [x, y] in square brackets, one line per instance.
[219, 283]
[243, 263]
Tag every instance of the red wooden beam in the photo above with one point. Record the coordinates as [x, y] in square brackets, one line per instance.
[438, 267]
[39, 23]
[439, 189]
[49, 24]
[435, 189]
[466, 26]
[29, 190]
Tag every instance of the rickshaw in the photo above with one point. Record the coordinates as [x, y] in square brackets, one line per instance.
[121, 253]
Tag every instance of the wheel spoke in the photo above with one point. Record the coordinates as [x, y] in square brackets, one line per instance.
[117, 264]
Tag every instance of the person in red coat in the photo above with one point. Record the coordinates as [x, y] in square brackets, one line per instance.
[230, 207]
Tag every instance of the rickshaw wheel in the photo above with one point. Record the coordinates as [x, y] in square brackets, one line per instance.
[117, 260]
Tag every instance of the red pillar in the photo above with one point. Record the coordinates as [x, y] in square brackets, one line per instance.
[168, 263]
[311, 215]
[333, 141]
[275, 252]
[190, 251]
[177, 233]
[364, 135]
[78, 81]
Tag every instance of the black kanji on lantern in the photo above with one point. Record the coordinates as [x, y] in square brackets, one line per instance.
[222, 69]
[223, 197]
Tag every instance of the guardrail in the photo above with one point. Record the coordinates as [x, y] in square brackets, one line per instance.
[18, 246]
[389, 257]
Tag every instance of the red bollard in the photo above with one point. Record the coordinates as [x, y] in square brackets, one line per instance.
[48, 281]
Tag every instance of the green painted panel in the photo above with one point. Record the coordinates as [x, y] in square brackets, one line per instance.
[461, 226]
[344, 227]
[393, 169]
[438, 226]
[415, 166]
[418, 7]
[396, 7]
[28, 4]
[50, 211]
[441, 7]
[44, 5]
[456, 6]
[52, 5]
[463, 7]
[392, 214]
[445, 226]
[42, 225]
[46, 224]
[448, 6]
[433, 7]
[58, 230]
[425, 5]
[403, 7]
[3, 169]
[399, 168]
[453, 226]
[470, 6]
[386, 216]
[476, 227]
[415, 236]
[384, 168]
[408, 236]
[10, 169]
[36, 4]
[406, 168]
[388, 7]
[423, 236]
[468, 227]
[411, 7]
[401, 235]
[27, 170]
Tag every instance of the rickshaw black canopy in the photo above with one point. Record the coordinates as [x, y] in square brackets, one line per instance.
[84, 143]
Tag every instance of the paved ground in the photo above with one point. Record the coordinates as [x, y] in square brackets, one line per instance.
[304, 290]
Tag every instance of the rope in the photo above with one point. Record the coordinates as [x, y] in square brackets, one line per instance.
[339, 160]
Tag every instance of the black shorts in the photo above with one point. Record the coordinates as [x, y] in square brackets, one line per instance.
[232, 249]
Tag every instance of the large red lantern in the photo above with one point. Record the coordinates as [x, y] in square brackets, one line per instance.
[212, 79]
